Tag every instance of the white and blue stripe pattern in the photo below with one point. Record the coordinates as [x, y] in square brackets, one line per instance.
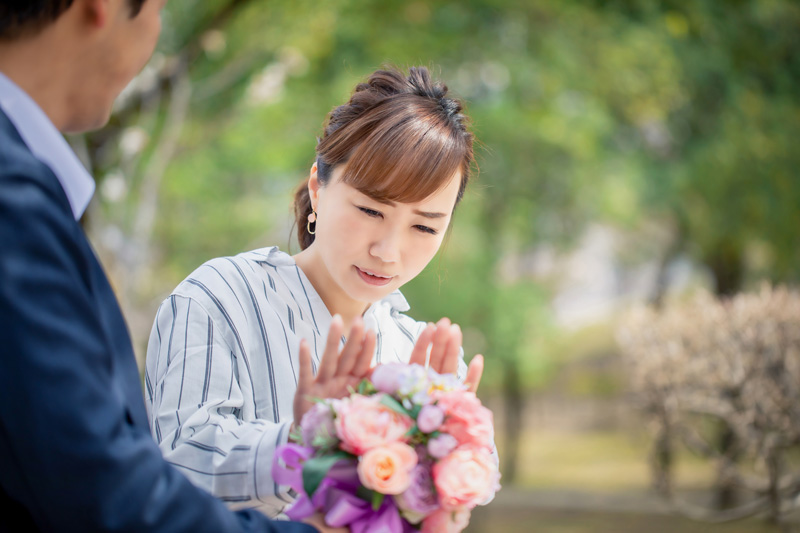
[222, 366]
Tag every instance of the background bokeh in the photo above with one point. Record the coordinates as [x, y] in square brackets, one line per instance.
[631, 152]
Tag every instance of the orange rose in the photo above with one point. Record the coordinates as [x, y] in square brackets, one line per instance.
[387, 469]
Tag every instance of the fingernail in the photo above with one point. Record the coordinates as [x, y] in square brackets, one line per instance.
[455, 328]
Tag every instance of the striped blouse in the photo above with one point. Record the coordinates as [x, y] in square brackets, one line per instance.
[222, 364]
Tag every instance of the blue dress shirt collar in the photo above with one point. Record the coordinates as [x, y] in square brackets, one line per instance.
[47, 144]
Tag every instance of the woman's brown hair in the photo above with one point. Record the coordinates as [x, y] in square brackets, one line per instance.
[401, 137]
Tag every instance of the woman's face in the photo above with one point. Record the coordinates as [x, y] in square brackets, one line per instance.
[369, 248]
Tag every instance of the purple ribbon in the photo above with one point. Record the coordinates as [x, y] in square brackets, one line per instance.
[291, 471]
[385, 520]
[335, 496]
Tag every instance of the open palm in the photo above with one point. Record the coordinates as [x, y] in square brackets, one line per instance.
[339, 371]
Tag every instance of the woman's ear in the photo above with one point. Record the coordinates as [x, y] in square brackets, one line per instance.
[313, 187]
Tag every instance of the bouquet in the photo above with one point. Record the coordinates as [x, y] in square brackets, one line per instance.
[409, 450]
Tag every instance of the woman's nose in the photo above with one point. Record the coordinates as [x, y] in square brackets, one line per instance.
[386, 246]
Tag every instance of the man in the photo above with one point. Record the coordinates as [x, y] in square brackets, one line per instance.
[75, 450]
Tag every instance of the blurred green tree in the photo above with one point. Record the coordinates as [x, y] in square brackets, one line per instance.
[620, 111]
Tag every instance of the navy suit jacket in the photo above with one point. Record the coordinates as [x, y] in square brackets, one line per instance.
[76, 453]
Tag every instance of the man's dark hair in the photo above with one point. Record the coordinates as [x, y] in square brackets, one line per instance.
[18, 17]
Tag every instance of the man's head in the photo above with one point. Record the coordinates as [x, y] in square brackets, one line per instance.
[19, 17]
[74, 57]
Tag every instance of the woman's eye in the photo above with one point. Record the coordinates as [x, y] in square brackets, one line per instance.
[426, 229]
[370, 212]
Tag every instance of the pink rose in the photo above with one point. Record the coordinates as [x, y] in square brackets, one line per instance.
[363, 423]
[441, 445]
[465, 418]
[387, 469]
[465, 478]
[446, 521]
[430, 418]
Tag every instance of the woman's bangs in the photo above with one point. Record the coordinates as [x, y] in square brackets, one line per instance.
[405, 161]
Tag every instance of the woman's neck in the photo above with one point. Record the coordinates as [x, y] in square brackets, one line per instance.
[334, 298]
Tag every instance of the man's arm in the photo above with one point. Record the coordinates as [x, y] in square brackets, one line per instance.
[70, 451]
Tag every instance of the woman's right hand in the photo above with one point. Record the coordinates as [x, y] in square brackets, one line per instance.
[339, 370]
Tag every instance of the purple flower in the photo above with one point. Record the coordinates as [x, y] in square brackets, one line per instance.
[441, 445]
[430, 418]
[415, 384]
[386, 378]
[419, 499]
[317, 426]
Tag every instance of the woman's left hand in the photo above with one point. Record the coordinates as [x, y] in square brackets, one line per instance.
[445, 338]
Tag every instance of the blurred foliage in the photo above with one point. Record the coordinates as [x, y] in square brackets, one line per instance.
[615, 111]
[721, 377]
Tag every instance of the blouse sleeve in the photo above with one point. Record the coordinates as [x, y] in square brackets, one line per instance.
[195, 403]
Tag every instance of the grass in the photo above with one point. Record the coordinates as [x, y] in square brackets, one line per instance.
[596, 461]
[485, 520]
[598, 482]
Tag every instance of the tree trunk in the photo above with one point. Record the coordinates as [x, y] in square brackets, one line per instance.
[774, 494]
[513, 404]
[726, 263]
[662, 457]
[726, 495]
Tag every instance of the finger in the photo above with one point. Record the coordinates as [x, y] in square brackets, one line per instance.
[474, 373]
[420, 352]
[327, 366]
[362, 364]
[304, 375]
[453, 350]
[305, 378]
[440, 338]
[351, 348]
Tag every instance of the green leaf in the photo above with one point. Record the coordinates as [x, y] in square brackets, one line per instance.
[316, 468]
[377, 500]
[394, 405]
[364, 493]
[366, 388]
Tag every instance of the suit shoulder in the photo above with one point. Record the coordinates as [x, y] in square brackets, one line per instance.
[16, 159]
[25, 182]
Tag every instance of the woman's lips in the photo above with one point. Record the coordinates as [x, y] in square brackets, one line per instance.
[368, 277]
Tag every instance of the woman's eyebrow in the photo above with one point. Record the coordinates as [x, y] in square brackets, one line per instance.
[427, 214]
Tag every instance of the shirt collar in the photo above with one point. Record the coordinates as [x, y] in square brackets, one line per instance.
[47, 144]
[275, 256]
[396, 300]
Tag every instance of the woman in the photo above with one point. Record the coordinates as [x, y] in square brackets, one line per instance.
[233, 349]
